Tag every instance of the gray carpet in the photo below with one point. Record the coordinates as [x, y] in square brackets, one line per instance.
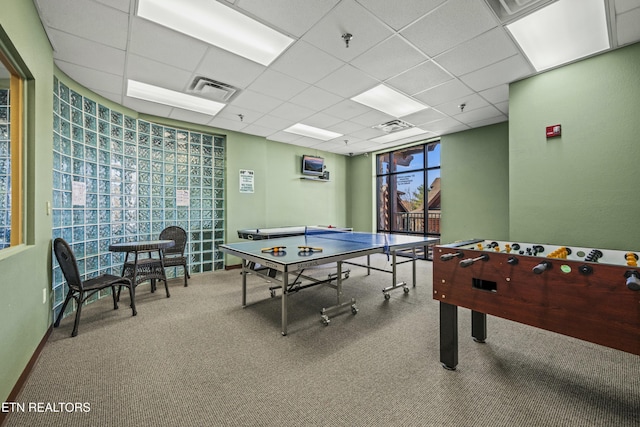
[200, 359]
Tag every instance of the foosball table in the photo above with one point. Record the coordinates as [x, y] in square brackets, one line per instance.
[586, 293]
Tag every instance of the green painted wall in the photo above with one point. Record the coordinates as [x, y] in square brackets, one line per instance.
[361, 200]
[25, 270]
[475, 184]
[581, 188]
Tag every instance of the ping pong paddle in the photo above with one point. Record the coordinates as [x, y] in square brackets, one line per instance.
[274, 249]
[309, 249]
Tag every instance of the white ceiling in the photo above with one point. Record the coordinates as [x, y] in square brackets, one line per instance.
[442, 53]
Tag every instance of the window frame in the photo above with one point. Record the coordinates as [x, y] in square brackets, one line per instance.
[11, 62]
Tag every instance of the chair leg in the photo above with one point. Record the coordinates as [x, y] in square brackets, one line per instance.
[186, 275]
[115, 297]
[80, 300]
[132, 296]
[166, 287]
[66, 301]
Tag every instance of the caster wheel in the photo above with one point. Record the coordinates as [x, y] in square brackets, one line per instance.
[406, 290]
[354, 309]
[387, 296]
[325, 320]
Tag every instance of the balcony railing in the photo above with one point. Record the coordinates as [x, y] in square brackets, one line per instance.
[413, 222]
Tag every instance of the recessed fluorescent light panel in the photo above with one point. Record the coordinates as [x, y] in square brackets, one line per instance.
[136, 89]
[389, 101]
[396, 136]
[312, 132]
[219, 25]
[562, 32]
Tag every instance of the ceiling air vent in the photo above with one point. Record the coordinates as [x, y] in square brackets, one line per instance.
[509, 10]
[393, 126]
[212, 89]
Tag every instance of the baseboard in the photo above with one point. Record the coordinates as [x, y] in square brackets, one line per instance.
[233, 267]
[17, 388]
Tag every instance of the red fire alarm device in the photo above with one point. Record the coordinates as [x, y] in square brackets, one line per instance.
[553, 131]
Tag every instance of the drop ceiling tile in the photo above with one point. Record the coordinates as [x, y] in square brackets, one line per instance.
[86, 53]
[226, 124]
[87, 19]
[256, 101]
[496, 94]
[347, 17]
[155, 73]
[96, 80]
[346, 109]
[488, 121]
[257, 130]
[389, 58]
[233, 113]
[490, 47]
[452, 107]
[478, 114]
[315, 98]
[345, 127]
[622, 6]
[365, 133]
[147, 107]
[274, 123]
[424, 116]
[306, 62]
[397, 16]
[123, 5]
[437, 95]
[161, 44]
[278, 85]
[293, 17]
[321, 120]
[503, 106]
[628, 26]
[449, 25]
[446, 125]
[286, 137]
[226, 67]
[420, 78]
[372, 118]
[346, 82]
[505, 71]
[190, 116]
[291, 111]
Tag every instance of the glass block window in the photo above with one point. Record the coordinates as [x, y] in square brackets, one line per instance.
[117, 178]
[5, 170]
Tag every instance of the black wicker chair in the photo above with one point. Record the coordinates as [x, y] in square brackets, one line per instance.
[81, 290]
[174, 256]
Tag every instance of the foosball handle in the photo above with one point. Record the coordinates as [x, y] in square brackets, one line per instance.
[544, 265]
[633, 280]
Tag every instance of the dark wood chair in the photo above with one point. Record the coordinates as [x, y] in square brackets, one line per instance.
[174, 256]
[80, 290]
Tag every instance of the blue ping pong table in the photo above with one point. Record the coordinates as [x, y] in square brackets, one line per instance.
[331, 245]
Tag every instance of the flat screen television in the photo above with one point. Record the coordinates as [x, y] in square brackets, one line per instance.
[312, 165]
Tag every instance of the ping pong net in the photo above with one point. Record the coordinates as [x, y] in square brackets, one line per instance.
[347, 235]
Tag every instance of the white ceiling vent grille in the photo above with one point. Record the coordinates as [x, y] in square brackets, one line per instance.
[509, 10]
[212, 89]
[393, 126]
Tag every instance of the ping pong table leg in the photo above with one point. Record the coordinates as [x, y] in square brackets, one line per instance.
[285, 286]
[245, 271]
[413, 265]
